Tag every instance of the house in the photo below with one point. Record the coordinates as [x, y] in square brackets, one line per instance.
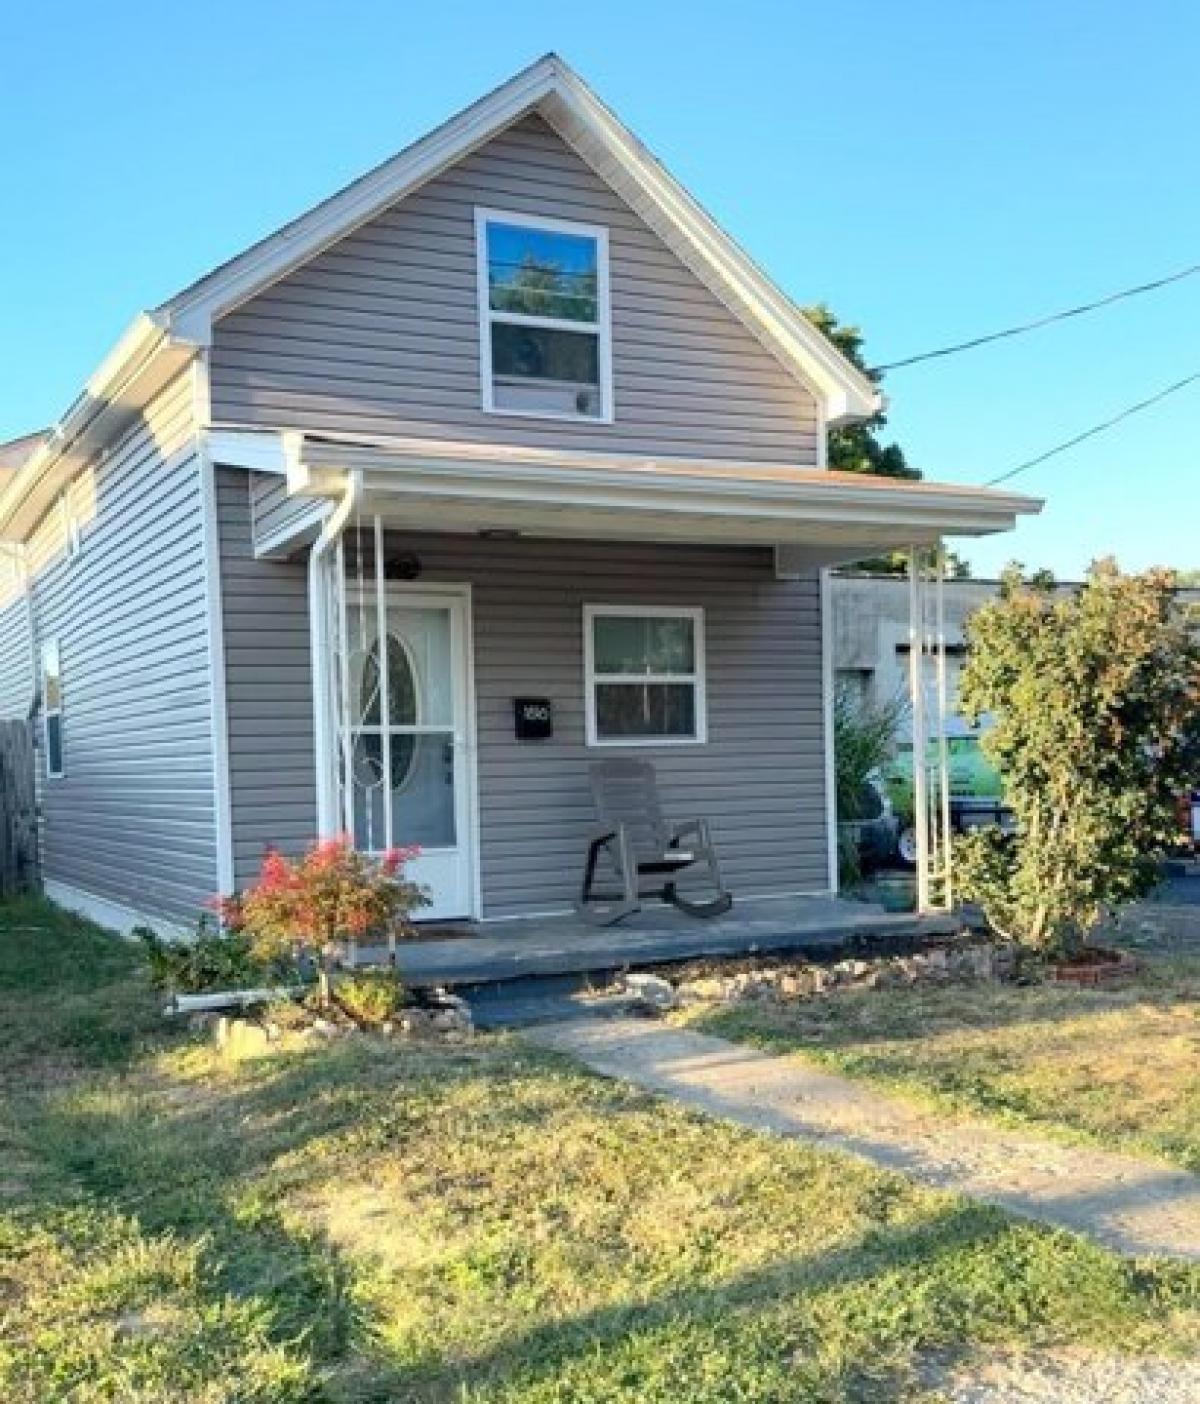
[502, 459]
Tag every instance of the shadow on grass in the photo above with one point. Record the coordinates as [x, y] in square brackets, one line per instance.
[225, 1159]
[222, 1173]
[861, 1018]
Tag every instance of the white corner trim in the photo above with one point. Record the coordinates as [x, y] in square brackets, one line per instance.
[697, 678]
[828, 681]
[113, 916]
[218, 701]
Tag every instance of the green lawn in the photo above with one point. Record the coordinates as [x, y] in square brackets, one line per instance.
[368, 1221]
[1120, 1066]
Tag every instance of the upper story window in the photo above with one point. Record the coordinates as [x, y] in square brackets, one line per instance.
[544, 331]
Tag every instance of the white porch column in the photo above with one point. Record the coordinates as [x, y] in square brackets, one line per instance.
[931, 812]
[920, 731]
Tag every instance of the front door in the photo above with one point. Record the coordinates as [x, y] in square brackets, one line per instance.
[408, 737]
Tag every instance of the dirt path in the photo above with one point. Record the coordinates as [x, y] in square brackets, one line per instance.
[1066, 1377]
[1138, 1207]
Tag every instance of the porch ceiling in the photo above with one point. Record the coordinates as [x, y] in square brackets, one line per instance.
[826, 517]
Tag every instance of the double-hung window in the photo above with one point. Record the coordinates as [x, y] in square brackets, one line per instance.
[52, 720]
[644, 675]
[544, 334]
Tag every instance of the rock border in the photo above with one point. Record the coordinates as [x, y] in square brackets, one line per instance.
[784, 979]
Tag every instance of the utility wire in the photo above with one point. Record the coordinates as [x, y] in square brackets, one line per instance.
[1095, 429]
[1042, 321]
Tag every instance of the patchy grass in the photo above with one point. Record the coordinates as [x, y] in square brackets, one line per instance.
[1119, 1066]
[368, 1222]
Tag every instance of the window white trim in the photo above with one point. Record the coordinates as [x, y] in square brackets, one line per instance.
[601, 328]
[697, 678]
[51, 662]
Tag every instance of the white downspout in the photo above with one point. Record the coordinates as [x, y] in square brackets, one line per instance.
[325, 740]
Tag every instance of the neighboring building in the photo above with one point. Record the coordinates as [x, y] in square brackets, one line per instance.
[871, 630]
[509, 416]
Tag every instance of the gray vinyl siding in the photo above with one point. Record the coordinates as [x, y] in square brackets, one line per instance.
[273, 511]
[132, 821]
[379, 334]
[268, 688]
[759, 779]
[16, 663]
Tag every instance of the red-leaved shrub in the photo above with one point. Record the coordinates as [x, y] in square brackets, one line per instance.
[332, 894]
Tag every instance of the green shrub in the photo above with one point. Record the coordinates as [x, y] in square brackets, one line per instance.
[1096, 700]
[211, 960]
[371, 996]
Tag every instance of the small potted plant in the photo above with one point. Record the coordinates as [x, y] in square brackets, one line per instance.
[331, 895]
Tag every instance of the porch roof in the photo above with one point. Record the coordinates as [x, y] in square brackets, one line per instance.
[826, 517]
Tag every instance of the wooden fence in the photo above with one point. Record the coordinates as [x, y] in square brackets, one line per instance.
[18, 809]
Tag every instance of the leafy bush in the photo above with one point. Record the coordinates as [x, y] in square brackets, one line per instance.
[332, 894]
[370, 996]
[211, 960]
[864, 736]
[1097, 705]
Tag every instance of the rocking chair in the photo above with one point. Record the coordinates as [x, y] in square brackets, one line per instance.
[640, 844]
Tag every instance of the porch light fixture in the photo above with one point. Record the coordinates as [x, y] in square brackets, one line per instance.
[403, 567]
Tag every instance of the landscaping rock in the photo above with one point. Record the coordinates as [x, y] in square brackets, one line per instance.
[651, 991]
[242, 1037]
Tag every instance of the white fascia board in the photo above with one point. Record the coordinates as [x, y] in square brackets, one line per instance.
[588, 124]
[552, 88]
[818, 498]
[218, 293]
[143, 361]
[262, 451]
[791, 511]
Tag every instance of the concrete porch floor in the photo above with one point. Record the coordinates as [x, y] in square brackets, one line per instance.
[539, 947]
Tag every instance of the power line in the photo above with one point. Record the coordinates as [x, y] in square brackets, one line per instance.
[1042, 321]
[1095, 429]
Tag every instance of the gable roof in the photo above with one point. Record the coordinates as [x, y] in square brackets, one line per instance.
[552, 89]
[157, 345]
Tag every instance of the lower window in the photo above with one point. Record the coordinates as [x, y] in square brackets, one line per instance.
[644, 675]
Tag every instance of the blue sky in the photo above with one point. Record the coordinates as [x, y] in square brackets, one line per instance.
[932, 170]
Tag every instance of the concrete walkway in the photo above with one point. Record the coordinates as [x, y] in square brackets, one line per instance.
[1138, 1207]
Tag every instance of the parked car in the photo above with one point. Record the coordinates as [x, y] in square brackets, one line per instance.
[873, 825]
[976, 790]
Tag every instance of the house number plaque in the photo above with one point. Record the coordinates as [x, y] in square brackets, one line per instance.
[534, 717]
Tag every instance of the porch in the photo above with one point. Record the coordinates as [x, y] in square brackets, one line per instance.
[549, 947]
[454, 589]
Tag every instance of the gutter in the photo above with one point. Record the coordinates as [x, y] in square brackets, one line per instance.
[139, 365]
[321, 654]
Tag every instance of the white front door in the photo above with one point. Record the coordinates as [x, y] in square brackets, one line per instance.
[409, 737]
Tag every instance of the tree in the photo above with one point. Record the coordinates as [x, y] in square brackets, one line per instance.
[1096, 700]
[857, 448]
